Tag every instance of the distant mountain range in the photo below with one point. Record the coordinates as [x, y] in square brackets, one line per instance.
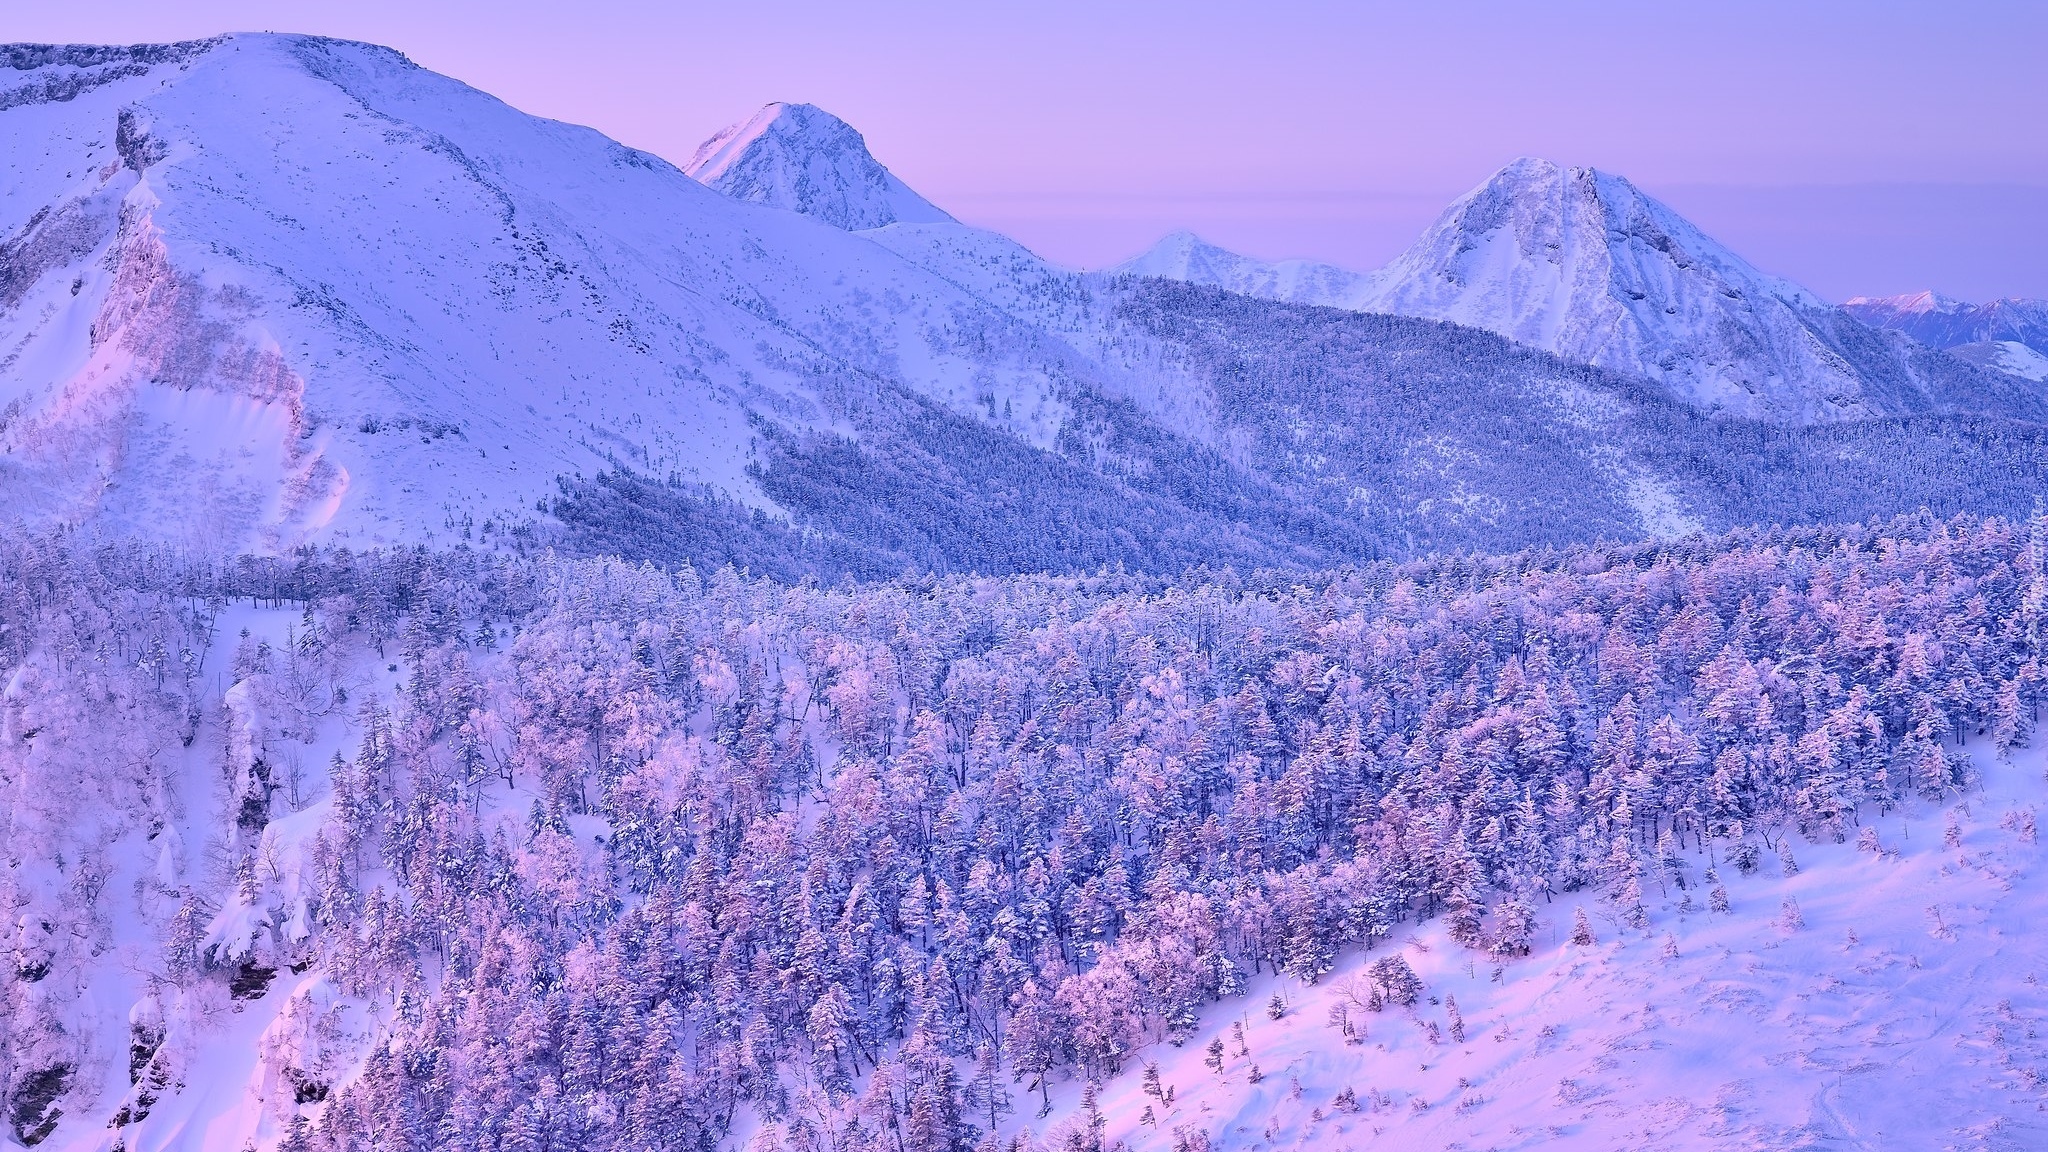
[2007, 335]
[263, 290]
[1939, 322]
[1583, 264]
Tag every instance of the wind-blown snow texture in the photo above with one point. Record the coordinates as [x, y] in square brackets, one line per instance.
[1582, 263]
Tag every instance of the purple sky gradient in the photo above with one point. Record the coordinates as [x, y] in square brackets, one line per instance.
[1874, 146]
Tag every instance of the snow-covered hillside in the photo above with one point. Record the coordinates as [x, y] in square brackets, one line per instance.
[805, 159]
[2008, 356]
[1886, 992]
[1581, 263]
[267, 289]
[424, 849]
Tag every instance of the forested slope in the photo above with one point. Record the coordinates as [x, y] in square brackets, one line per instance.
[439, 850]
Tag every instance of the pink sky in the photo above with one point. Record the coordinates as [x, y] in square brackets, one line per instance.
[1874, 146]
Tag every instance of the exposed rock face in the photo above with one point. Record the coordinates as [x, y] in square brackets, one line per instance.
[56, 73]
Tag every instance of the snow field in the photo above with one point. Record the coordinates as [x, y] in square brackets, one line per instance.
[1873, 1000]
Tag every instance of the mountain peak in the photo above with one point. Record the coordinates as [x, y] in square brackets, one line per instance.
[1532, 168]
[1583, 263]
[804, 159]
[1175, 255]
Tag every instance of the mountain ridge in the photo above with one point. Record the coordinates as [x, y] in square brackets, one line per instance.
[1581, 263]
[474, 299]
[1941, 322]
[379, 306]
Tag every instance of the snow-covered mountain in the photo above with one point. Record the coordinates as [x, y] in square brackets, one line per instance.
[1187, 257]
[1941, 322]
[1583, 264]
[1111, 804]
[265, 289]
[2008, 356]
[807, 160]
[2007, 335]
[268, 290]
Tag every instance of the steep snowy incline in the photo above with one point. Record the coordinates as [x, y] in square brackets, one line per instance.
[1580, 263]
[805, 159]
[1583, 264]
[270, 289]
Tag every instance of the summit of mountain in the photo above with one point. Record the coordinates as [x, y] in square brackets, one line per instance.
[804, 159]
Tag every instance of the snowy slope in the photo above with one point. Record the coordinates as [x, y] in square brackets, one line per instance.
[804, 159]
[208, 1088]
[1887, 998]
[269, 289]
[1940, 322]
[2008, 356]
[1581, 263]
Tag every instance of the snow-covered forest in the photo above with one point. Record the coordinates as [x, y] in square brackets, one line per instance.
[508, 644]
[454, 850]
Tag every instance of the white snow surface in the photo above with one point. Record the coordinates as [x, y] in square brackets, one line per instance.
[272, 289]
[2008, 356]
[804, 159]
[1905, 1010]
